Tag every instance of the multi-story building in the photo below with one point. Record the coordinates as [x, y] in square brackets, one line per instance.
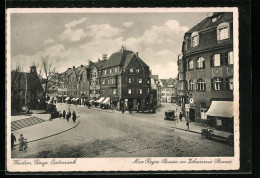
[156, 85]
[95, 75]
[74, 85]
[206, 67]
[169, 90]
[125, 80]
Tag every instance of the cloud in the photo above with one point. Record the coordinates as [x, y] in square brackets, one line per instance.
[75, 22]
[48, 41]
[73, 35]
[127, 24]
[165, 70]
[102, 31]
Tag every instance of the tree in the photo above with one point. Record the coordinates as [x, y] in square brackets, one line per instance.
[47, 71]
[16, 77]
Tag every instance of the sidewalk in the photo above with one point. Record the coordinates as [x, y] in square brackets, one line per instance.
[181, 125]
[94, 108]
[44, 130]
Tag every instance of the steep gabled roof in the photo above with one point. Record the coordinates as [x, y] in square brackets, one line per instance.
[206, 23]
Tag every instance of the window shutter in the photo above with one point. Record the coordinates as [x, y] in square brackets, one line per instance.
[196, 64]
[212, 84]
[221, 59]
[203, 64]
[226, 58]
[211, 61]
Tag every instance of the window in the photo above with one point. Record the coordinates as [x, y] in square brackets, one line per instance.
[123, 70]
[217, 84]
[110, 71]
[105, 71]
[148, 81]
[216, 60]
[114, 91]
[129, 91]
[229, 83]
[140, 80]
[214, 19]
[108, 81]
[200, 63]
[108, 91]
[131, 70]
[194, 39]
[148, 90]
[223, 31]
[103, 91]
[201, 84]
[137, 70]
[230, 58]
[129, 80]
[191, 84]
[190, 64]
[116, 69]
[103, 81]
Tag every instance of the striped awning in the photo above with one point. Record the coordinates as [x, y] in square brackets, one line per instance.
[100, 100]
[67, 98]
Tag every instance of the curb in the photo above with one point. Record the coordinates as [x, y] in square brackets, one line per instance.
[186, 130]
[52, 134]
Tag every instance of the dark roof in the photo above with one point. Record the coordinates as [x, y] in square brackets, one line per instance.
[206, 23]
[122, 58]
[155, 77]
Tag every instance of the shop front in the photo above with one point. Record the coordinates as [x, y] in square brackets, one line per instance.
[220, 115]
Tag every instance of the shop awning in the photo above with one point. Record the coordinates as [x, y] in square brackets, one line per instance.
[91, 100]
[73, 99]
[106, 101]
[100, 100]
[67, 98]
[76, 99]
[221, 109]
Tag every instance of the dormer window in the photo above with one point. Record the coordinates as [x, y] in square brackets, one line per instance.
[194, 39]
[223, 31]
[131, 70]
[137, 70]
[214, 19]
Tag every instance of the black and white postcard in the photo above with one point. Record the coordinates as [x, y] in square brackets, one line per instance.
[122, 89]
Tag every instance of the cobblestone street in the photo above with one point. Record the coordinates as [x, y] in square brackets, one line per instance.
[105, 134]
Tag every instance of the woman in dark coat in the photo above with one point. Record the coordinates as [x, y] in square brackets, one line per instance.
[64, 114]
[68, 117]
[74, 116]
[180, 116]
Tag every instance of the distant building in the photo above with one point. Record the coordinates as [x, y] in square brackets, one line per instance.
[169, 90]
[206, 68]
[156, 85]
[26, 88]
[125, 81]
[95, 76]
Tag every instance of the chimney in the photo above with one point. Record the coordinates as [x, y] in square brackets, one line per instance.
[73, 67]
[122, 49]
[104, 56]
[81, 65]
[137, 54]
[98, 60]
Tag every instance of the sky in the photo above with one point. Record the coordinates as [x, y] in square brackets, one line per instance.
[72, 39]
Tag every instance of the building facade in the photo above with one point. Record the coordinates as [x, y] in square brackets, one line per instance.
[156, 85]
[169, 90]
[206, 65]
[125, 81]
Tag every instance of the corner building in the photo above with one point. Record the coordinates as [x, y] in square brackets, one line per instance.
[125, 80]
[206, 66]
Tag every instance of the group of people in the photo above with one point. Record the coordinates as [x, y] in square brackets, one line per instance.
[23, 144]
[68, 115]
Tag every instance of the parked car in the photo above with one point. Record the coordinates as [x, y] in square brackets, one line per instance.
[169, 115]
[217, 134]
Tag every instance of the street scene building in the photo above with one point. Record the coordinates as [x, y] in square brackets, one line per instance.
[156, 86]
[125, 81]
[206, 71]
[169, 90]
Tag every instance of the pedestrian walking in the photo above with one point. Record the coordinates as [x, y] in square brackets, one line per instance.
[64, 114]
[25, 145]
[13, 139]
[74, 116]
[180, 116]
[60, 115]
[21, 141]
[69, 114]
